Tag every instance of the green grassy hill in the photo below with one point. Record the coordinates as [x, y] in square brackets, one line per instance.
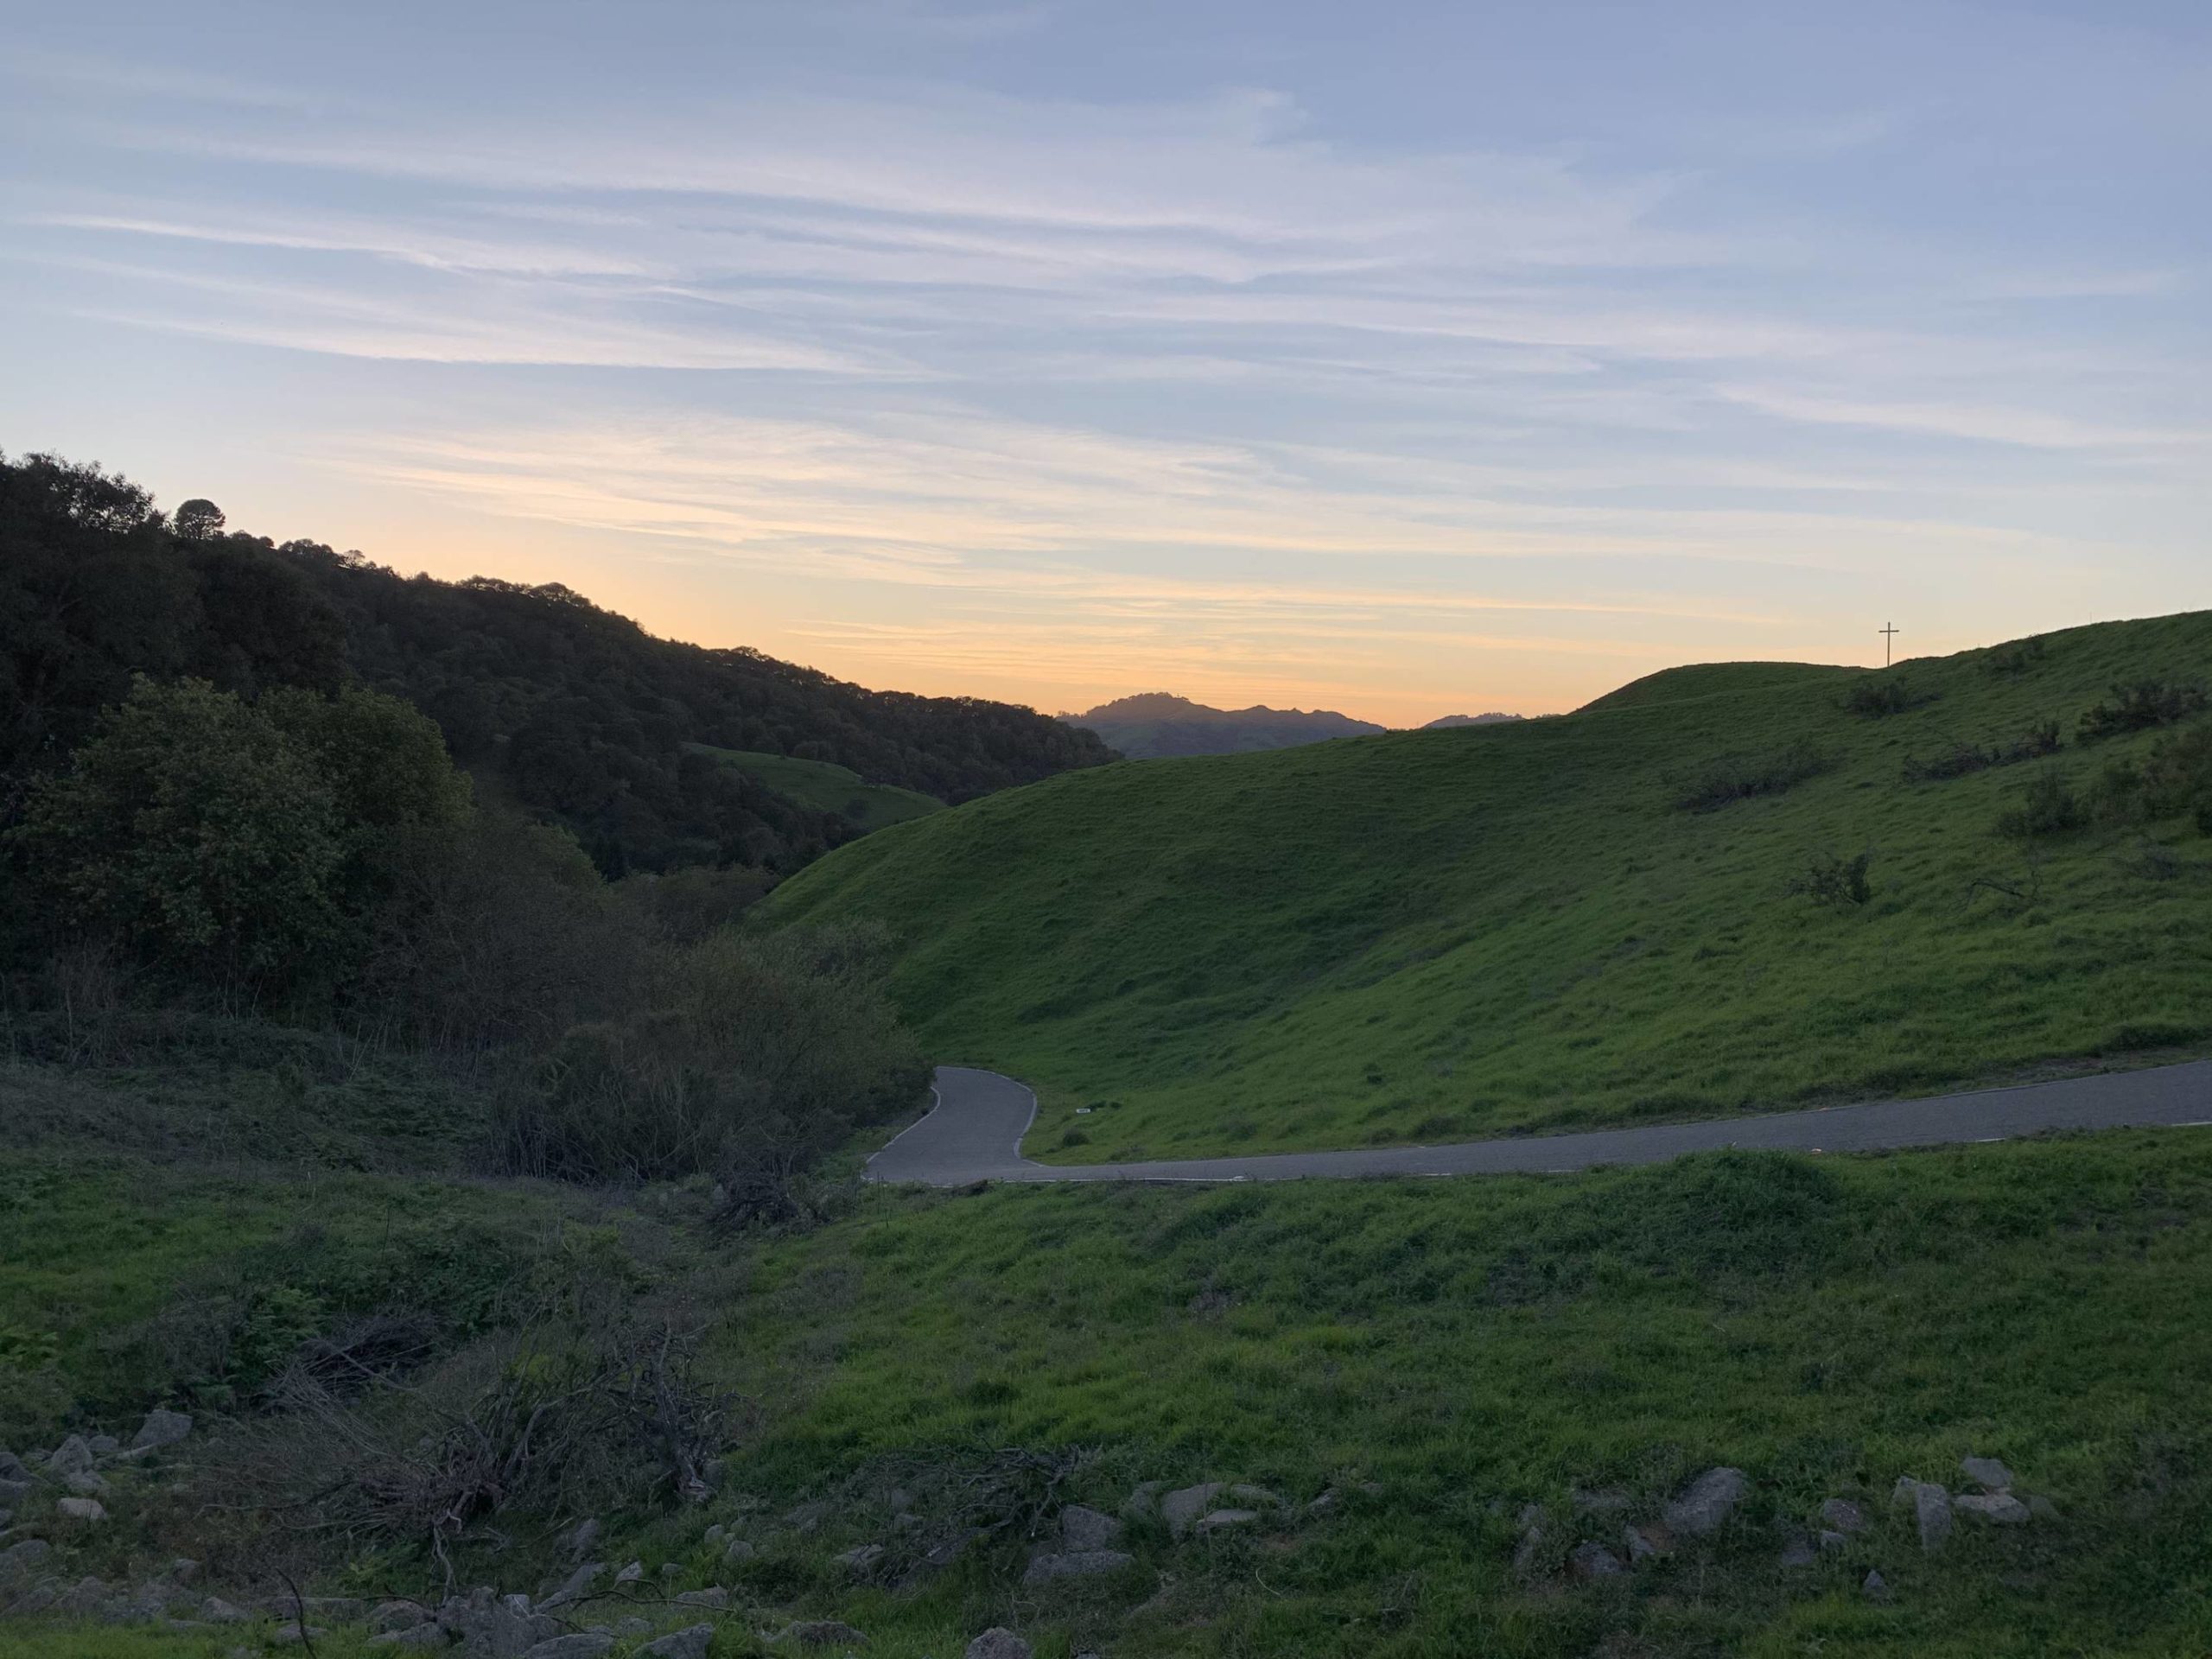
[1593, 919]
[829, 788]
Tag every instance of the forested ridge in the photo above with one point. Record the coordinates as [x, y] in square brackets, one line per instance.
[577, 714]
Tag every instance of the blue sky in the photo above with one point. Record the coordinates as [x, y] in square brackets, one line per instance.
[1405, 358]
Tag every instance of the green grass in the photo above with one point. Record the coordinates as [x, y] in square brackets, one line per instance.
[830, 788]
[1434, 936]
[1825, 1324]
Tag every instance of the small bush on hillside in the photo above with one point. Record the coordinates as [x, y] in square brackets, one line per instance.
[1961, 760]
[2141, 705]
[1837, 883]
[2009, 662]
[2173, 781]
[2048, 806]
[1739, 777]
[1878, 694]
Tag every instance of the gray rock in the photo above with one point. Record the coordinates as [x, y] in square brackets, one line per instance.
[671, 1569]
[739, 1550]
[161, 1429]
[295, 1635]
[1084, 1528]
[1705, 1504]
[503, 1628]
[1075, 1564]
[1931, 1505]
[105, 1446]
[574, 1587]
[12, 1492]
[632, 1573]
[1182, 1508]
[11, 1466]
[1144, 1499]
[805, 1517]
[1528, 1551]
[1833, 1541]
[688, 1643]
[87, 1596]
[1797, 1551]
[72, 1456]
[1987, 1473]
[18, 1560]
[85, 1484]
[36, 1599]
[862, 1559]
[1224, 1521]
[397, 1615]
[1874, 1588]
[87, 1510]
[183, 1570]
[582, 1537]
[1999, 1509]
[1532, 1514]
[634, 1626]
[998, 1642]
[1902, 1495]
[713, 1596]
[822, 1633]
[577, 1644]
[1841, 1515]
[1594, 1561]
[2042, 1507]
[216, 1610]
[1643, 1543]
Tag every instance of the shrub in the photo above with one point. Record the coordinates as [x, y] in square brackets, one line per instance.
[2048, 807]
[1739, 777]
[756, 1056]
[2173, 781]
[2141, 705]
[1963, 759]
[2009, 662]
[1877, 695]
[1837, 883]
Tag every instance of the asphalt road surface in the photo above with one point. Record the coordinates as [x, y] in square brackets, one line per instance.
[973, 1133]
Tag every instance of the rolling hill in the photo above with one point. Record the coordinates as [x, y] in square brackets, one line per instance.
[1157, 724]
[827, 787]
[1649, 908]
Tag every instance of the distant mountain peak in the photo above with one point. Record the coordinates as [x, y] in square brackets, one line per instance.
[1470, 720]
[1155, 723]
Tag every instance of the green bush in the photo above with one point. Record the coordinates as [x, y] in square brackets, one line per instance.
[2048, 806]
[1875, 696]
[2141, 705]
[754, 1052]
[1961, 760]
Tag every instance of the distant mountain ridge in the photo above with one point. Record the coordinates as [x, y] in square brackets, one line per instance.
[1155, 724]
[1470, 720]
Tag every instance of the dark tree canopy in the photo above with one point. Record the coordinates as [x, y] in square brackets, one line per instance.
[576, 713]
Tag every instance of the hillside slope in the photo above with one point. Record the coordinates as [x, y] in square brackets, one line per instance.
[1155, 725]
[573, 712]
[1439, 935]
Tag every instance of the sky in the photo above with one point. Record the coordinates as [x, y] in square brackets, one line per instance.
[1404, 358]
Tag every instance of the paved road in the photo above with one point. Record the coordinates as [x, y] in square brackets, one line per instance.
[973, 1133]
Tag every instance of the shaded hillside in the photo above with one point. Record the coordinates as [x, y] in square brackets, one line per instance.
[1157, 724]
[579, 715]
[1653, 908]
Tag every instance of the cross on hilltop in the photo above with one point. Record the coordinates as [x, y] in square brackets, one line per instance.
[1889, 633]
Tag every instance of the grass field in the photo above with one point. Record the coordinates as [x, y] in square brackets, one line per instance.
[1445, 1353]
[830, 788]
[1434, 936]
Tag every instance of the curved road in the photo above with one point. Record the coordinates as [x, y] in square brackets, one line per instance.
[973, 1133]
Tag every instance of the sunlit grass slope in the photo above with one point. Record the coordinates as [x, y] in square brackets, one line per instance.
[1436, 935]
[830, 788]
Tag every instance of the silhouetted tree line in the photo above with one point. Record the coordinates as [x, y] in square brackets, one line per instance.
[576, 714]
